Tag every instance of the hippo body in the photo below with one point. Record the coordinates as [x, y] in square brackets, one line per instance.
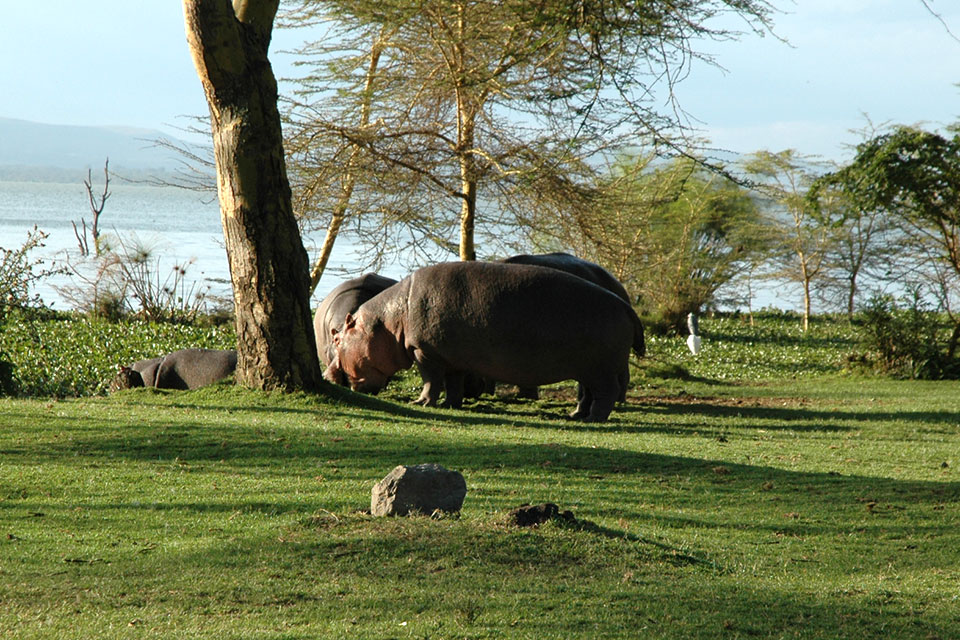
[184, 369]
[589, 271]
[194, 368]
[345, 298]
[523, 324]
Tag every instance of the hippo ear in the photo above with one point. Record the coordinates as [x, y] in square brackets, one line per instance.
[349, 322]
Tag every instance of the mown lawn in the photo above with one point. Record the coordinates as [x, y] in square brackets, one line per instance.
[807, 505]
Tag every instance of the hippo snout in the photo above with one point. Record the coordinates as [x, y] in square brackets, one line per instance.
[366, 386]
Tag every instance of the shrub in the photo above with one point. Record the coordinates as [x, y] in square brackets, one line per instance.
[905, 339]
[126, 277]
[19, 272]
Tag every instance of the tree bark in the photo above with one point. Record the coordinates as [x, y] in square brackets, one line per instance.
[269, 268]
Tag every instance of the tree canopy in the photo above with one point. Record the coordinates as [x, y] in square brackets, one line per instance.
[486, 108]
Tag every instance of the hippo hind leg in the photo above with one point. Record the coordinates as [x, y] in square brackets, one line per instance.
[454, 385]
[596, 400]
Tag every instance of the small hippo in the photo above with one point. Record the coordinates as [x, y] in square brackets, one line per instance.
[522, 324]
[581, 268]
[345, 298]
[184, 369]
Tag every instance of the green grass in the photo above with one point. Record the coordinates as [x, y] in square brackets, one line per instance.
[758, 490]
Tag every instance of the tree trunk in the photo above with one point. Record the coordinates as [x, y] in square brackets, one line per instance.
[468, 182]
[276, 348]
[954, 340]
[466, 128]
[851, 297]
[806, 298]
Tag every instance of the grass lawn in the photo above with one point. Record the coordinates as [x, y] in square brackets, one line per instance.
[786, 502]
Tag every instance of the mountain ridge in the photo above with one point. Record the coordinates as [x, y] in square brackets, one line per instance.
[34, 151]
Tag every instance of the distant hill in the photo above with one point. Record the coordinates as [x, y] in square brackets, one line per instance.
[32, 151]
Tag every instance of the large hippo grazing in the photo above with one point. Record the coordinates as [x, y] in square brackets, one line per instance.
[521, 324]
[345, 298]
[184, 369]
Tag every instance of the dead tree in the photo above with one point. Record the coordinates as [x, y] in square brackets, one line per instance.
[96, 208]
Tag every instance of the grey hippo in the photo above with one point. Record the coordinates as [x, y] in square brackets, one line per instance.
[522, 324]
[183, 369]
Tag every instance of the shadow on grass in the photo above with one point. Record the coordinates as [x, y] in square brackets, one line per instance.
[786, 414]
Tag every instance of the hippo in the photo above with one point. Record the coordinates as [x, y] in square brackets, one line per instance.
[184, 369]
[345, 298]
[147, 369]
[576, 266]
[522, 324]
[582, 268]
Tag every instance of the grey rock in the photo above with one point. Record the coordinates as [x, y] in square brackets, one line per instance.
[422, 488]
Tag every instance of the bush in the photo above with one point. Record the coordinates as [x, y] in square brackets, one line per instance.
[19, 272]
[905, 340]
[127, 278]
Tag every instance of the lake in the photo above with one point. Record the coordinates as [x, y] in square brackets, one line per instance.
[182, 226]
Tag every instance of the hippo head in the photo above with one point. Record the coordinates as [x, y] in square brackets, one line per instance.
[126, 378]
[363, 358]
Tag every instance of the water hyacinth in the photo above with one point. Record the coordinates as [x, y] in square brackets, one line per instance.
[774, 347]
[73, 355]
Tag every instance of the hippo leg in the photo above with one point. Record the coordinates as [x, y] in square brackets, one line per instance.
[584, 400]
[529, 393]
[598, 400]
[454, 384]
[433, 381]
[475, 386]
[624, 380]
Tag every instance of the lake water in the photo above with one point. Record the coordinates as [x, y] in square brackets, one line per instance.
[181, 225]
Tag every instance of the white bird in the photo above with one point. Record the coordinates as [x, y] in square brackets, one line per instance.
[693, 340]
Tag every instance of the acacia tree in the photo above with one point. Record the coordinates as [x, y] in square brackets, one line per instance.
[866, 236]
[489, 104]
[674, 234]
[915, 175]
[268, 264]
[804, 236]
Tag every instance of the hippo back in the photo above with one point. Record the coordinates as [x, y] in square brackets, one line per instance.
[343, 299]
[573, 265]
[194, 368]
[147, 370]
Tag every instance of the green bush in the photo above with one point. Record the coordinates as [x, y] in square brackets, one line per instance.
[73, 355]
[19, 272]
[905, 340]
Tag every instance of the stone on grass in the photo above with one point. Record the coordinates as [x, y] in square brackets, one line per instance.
[422, 488]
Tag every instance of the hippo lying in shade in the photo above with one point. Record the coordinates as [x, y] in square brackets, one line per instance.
[184, 369]
[522, 324]
[343, 299]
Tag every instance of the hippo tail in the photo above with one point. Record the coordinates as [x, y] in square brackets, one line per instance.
[639, 344]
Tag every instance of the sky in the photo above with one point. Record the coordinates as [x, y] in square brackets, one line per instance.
[125, 63]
